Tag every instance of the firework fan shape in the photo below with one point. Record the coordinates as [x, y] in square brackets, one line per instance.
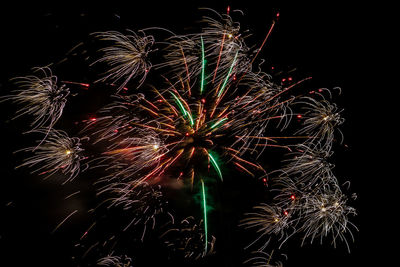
[197, 110]
[41, 97]
[58, 153]
[126, 55]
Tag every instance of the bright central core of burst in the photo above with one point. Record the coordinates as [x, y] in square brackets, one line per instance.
[197, 142]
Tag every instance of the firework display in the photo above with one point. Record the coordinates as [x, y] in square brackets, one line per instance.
[184, 114]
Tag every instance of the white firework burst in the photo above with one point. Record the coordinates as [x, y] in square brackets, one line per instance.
[326, 214]
[126, 56]
[321, 118]
[58, 153]
[40, 97]
[268, 220]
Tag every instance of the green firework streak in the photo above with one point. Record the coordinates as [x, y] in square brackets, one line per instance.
[205, 216]
[215, 165]
[203, 65]
[227, 76]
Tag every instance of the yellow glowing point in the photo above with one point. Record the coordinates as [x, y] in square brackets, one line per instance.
[276, 220]
[155, 147]
[68, 152]
[323, 209]
[230, 35]
[326, 118]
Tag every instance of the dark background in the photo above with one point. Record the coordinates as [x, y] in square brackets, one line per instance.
[336, 44]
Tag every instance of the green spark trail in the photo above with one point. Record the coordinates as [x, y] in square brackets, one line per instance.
[215, 165]
[203, 65]
[227, 76]
[205, 216]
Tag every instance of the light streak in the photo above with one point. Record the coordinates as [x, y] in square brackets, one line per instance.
[203, 66]
[183, 109]
[215, 165]
[219, 122]
[228, 75]
[205, 216]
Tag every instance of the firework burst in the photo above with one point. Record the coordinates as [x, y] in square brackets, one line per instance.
[41, 97]
[326, 213]
[126, 56]
[57, 154]
[321, 118]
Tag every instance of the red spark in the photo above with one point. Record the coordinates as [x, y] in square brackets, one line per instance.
[286, 212]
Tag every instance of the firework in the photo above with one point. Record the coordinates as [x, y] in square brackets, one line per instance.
[326, 213]
[126, 56]
[57, 154]
[40, 97]
[321, 118]
[267, 220]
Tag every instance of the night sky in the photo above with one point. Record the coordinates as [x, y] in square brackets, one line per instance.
[331, 43]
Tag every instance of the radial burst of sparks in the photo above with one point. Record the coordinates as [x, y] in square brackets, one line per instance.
[56, 154]
[40, 97]
[126, 56]
[326, 213]
[321, 118]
